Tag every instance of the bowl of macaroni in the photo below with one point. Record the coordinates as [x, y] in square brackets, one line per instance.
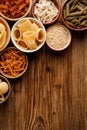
[28, 34]
[47, 11]
[4, 34]
[14, 10]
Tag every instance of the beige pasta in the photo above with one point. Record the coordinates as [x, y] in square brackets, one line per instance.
[17, 34]
[39, 35]
[28, 35]
[24, 25]
[22, 44]
[32, 44]
[3, 35]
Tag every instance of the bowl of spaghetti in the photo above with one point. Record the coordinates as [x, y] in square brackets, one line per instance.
[14, 10]
[13, 63]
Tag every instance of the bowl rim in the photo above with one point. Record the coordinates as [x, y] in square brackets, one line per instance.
[15, 19]
[9, 88]
[2, 20]
[72, 28]
[12, 77]
[24, 50]
[54, 20]
[65, 47]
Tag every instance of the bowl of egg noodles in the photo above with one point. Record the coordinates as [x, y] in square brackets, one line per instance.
[28, 34]
[74, 14]
[4, 34]
[47, 11]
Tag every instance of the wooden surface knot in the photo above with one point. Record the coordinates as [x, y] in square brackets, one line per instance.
[39, 124]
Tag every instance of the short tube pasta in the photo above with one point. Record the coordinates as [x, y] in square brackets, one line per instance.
[28, 34]
[39, 35]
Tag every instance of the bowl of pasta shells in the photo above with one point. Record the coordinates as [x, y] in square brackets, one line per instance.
[15, 9]
[4, 34]
[28, 35]
[47, 11]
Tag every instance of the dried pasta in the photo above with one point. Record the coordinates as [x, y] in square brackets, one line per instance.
[75, 13]
[14, 8]
[3, 34]
[45, 10]
[12, 62]
[28, 34]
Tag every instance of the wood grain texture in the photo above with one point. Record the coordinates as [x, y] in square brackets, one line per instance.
[52, 94]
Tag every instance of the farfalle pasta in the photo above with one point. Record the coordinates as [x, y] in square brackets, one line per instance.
[3, 34]
[28, 34]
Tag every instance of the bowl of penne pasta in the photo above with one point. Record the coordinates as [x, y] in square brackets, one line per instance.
[28, 35]
[4, 34]
[15, 9]
[13, 63]
[47, 11]
[5, 89]
[74, 14]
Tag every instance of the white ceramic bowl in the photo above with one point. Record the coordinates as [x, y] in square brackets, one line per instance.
[34, 20]
[15, 19]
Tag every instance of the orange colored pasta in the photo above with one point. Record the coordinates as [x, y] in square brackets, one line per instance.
[12, 62]
[14, 8]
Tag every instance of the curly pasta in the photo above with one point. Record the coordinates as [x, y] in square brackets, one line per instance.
[14, 8]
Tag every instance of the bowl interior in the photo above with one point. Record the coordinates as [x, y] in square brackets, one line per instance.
[33, 20]
[9, 89]
[59, 35]
[24, 15]
[52, 21]
[8, 32]
[22, 72]
[70, 19]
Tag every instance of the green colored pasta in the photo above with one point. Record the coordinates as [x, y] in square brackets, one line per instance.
[75, 13]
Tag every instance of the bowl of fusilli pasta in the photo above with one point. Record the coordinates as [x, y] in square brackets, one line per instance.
[15, 9]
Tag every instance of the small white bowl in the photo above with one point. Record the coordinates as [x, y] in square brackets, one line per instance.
[34, 20]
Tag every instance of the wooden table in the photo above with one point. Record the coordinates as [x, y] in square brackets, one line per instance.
[52, 94]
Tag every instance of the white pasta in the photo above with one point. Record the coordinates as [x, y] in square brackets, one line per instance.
[45, 10]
